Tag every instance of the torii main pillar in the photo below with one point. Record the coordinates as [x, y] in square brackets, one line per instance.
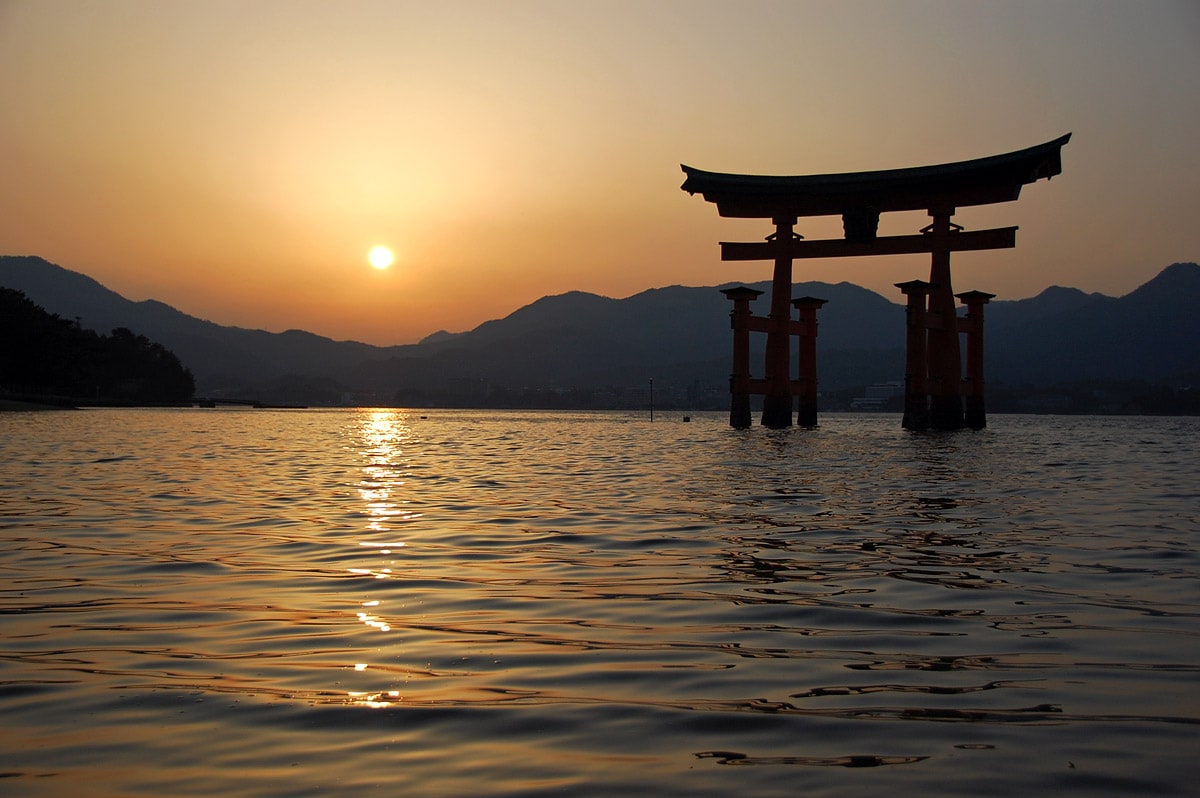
[859, 198]
[945, 357]
[777, 403]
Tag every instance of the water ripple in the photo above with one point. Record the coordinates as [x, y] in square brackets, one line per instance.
[536, 603]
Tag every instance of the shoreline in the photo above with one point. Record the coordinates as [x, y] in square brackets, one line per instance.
[18, 405]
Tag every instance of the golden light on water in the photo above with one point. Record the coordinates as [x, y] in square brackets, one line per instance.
[380, 438]
[588, 600]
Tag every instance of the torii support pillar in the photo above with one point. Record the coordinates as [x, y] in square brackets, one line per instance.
[976, 414]
[945, 356]
[807, 357]
[916, 370]
[777, 403]
[739, 380]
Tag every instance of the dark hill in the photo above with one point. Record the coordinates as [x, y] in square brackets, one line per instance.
[45, 355]
[677, 335]
[219, 357]
[1151, 333]
[1002, 314]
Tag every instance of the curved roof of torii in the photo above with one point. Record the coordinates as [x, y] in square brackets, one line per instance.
[998, 178]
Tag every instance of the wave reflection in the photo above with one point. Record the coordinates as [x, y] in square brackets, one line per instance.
[464, 603]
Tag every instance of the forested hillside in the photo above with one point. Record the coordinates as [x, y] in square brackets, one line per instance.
[43, 354]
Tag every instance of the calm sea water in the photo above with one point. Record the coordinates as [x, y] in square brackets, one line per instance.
[252, 602]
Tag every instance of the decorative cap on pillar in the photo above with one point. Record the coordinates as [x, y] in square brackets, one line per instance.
[914, 287]
[741, 292]
[975, 297]
[808, 302]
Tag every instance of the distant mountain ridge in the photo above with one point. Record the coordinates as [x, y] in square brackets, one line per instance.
[1151, 333]
[218, 355]
[677, 335]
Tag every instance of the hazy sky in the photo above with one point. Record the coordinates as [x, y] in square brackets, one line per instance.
[239, 159]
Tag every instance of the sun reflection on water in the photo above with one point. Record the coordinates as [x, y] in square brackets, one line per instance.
[383, 438]
[379, 700]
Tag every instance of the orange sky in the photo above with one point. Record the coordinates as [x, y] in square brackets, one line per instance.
[238, 159]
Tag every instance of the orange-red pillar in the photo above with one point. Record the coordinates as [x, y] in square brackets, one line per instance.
[807, 357]
[916, 366]
[739, 379]
[945, 357]
[976, 413]
[777, 404]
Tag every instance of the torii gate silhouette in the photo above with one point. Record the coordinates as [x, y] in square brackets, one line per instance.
[934, 382]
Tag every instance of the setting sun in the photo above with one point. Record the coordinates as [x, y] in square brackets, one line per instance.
[381, 257]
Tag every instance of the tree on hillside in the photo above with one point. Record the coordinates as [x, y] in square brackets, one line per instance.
[42, 353]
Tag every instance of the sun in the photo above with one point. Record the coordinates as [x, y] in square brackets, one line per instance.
[381, 257]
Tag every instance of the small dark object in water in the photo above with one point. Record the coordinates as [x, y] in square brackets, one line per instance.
[687, 418]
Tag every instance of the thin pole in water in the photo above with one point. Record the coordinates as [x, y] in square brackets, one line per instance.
[652, 399]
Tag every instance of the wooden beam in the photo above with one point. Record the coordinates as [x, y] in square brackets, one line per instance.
[963, 241]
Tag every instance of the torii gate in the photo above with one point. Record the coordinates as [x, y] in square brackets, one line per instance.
[934, 373]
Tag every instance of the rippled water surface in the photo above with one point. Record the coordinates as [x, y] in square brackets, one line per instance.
[254, 602]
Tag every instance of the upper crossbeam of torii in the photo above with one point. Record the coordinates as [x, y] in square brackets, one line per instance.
[983, 181]
[934, 380]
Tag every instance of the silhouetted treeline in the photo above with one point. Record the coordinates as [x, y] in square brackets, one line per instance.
[44, 354]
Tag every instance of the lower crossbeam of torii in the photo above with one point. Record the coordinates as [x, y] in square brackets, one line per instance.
[935, 382]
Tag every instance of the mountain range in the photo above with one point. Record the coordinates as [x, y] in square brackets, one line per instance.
[677, 336]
